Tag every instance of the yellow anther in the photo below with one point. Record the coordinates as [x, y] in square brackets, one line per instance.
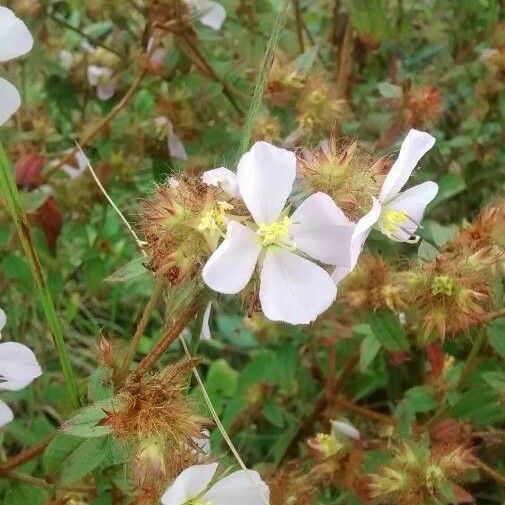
[215, 219]
[275, 233]
[392, 220]
[327, 444]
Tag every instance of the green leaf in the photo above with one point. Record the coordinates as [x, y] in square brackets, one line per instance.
[273, 413]
[60, 447]
[370, 347]
[22, 494]
[388, 331]
[496, 333]
[86, 422]
[388, 90]
[449, 185]
[83, 460]
[421, 398]
[129, 272]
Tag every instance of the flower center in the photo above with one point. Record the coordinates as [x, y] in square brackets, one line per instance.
[442, 285]
[392, 220]
[275, 233]
[197, 502]
[215, 219]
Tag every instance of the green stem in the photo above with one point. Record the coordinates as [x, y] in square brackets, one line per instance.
[261, 82]
[10, 193]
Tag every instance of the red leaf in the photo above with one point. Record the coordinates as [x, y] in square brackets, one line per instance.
[50, 220]
[436, 357]
[28, 171]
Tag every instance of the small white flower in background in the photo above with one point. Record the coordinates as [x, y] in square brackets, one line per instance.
[293, 288]
[210, 13]
[192, 487]
[15, 40]
[223, 178]
[345, 428]
[18, 368]
[397, 214]
[103, 79]
[82, 165]
[66, 59]
[175, 146]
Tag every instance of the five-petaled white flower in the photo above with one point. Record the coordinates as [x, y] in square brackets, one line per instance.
[15, 40]
[18, 368]
[292, 288]
[239, 488]
[397, 214]
[210, 13]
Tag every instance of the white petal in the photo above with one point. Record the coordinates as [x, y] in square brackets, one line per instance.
[106, 91]
[189, 484]
[18, 366]
[212, 14]
[239, 488]
[205, 331]
[360, 234]
[231, 265]
[413, 203]
[95, 73]
[321, 230]
[3, 319]
[10, 101]
[15, 38]
[265, 178]
[294, 289]
[413, 148]
[6, 415]
[223, 178]
[344, 428]
[176, 148]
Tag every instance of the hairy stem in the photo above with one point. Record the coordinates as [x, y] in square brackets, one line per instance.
[170, 335]
[139, 331]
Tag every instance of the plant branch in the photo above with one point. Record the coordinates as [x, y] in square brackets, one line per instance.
[139, 331]
[103, 123]
[24, 456]
[299, 24]
[170, 335]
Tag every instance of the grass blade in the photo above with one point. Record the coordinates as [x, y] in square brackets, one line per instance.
[10, 194]
[261, 82]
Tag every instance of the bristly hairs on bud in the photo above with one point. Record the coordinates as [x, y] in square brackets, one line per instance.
[372, 285]
[345, 171]
[418, 474]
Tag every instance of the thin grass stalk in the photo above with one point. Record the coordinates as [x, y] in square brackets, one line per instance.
[10, 194]
[261, 82]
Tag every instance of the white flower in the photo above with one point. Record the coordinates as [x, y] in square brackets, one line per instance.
[223, 178]
[344, 427]
[15, 40]
[82, 165]
[397, 214]
[239, 488]
[18, 368]
[292, 288]
[210, 13]
[66, 59]
[175, 146]
[103, 79]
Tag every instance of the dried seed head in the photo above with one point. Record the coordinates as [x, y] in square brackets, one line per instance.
[285, 81]
[420, 475]
[159, 407]
[181, 224]
[421, 104]
[449, 295]
[319, 109]
[346, 172]
[372, 285]
[267, 128]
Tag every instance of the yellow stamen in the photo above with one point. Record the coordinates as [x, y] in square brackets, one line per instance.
[392, 219]
[327, 444]
[442, 285]
[275, 233]
[214, 220]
